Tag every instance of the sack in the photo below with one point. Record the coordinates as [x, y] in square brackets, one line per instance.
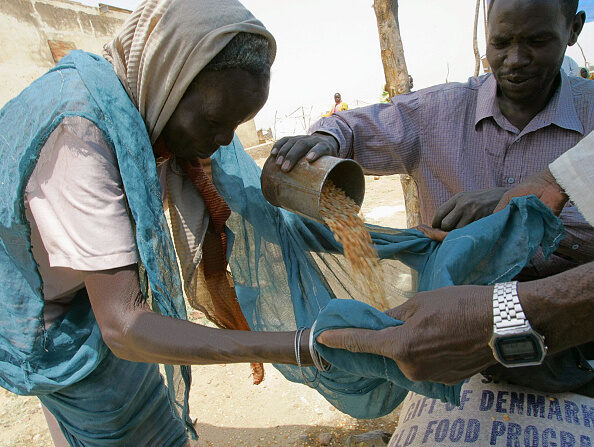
[497, 414]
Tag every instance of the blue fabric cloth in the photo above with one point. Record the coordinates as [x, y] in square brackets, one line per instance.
[134, 410]
[282, 282]
[33, 360]
[459, 259]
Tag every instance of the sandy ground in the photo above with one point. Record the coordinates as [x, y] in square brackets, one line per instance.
[229, 409]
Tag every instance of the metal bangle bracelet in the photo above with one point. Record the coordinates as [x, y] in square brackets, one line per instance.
[320, 364]
[297, 346]
[297, 359]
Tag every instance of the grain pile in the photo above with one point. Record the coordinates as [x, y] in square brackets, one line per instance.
[341, 214]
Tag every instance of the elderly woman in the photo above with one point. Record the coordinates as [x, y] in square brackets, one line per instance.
[83, 229]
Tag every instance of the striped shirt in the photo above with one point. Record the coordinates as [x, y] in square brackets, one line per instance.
[453, 137]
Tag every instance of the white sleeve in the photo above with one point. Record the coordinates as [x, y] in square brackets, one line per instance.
[77, 199]
[574, 171]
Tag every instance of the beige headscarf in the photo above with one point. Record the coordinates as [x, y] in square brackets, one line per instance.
[165, 43]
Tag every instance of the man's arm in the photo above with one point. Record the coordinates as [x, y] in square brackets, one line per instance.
[561, 307]
[383, 138]
[446, 331]
[465, 208]
[133, 332]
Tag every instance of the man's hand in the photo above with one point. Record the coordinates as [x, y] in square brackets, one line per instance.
[444, 337]
[289, 150]
[544, 186]
[466, 207]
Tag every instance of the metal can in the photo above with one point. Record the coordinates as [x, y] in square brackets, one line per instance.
[300, 189]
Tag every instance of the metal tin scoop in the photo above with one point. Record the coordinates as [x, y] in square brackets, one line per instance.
[300, 189]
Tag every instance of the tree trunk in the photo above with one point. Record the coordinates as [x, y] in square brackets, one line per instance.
[485, 20]
[477, 54]
[386, 12]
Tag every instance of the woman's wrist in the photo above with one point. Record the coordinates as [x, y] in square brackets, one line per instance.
[304, 351]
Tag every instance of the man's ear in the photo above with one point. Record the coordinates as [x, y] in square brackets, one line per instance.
[576, 27]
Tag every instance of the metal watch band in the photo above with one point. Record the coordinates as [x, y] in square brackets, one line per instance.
[507, 310]
[514, 343]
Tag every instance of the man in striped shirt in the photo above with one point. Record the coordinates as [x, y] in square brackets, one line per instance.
[487, 134]
[492, 131]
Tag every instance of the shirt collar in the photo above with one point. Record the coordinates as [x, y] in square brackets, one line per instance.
[486, 102]
[560, 110]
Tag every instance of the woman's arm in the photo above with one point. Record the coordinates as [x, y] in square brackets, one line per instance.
[133, 332]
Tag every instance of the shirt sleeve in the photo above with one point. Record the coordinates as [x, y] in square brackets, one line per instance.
[579, 241]
[574, 171]
[77, 199]
[383, 138]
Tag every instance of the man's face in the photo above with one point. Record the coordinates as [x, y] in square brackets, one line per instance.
[212, 107]
[527, 41]
[337, 98]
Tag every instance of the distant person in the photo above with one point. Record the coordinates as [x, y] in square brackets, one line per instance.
[410, 83]
[339, 105]
[570, 66]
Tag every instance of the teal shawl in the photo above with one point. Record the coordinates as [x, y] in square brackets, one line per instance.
[288, 272]
[33, 360]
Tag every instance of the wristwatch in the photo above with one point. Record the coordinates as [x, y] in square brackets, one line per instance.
[514, 342]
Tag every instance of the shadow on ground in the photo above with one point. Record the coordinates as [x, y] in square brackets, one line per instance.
[285, 435]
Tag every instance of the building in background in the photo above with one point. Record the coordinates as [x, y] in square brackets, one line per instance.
[35, 34]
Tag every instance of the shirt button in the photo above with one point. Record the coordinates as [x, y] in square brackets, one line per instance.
[518, 139]
[510, 180]
[575, 246]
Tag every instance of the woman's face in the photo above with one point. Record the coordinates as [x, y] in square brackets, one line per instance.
[212, 107]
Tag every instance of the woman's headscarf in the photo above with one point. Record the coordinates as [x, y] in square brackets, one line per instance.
[164, 44]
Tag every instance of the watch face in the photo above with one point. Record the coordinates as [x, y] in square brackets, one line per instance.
[518, 349]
